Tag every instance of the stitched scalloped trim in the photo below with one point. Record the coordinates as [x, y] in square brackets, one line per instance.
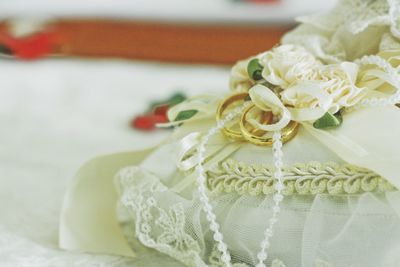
[302, 178]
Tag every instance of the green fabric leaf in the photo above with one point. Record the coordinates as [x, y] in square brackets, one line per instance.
[172, 101]
[176, 99]
[185, 114]
[254, 69]
[329, 121]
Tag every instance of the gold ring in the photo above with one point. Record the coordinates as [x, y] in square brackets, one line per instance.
[258, 138]
[229, 131]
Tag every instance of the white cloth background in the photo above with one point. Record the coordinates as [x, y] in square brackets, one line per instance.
[205, 11]
[57, 114]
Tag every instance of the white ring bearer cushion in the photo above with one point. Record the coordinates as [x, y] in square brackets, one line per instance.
[340, 204]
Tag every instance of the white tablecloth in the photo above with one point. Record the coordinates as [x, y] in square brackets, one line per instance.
[56, 114]
[204, 11]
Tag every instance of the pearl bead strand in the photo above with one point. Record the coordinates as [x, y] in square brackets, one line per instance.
[278, 197]
[201, 185]
[395, 81]
[205, 201]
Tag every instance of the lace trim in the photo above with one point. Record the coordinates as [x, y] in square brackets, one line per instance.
[163, 227]
[163, 230]
[311, 178]
[215, 261]
[355, 15]
[321, 34]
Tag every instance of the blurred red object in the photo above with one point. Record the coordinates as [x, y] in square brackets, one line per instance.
[30, 47]
[148, 122]
[143, 122]
[162, 111]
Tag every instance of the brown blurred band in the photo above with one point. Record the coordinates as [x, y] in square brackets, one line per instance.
[171, 42]
[165, 42]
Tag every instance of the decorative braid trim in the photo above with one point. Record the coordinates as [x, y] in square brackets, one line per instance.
[305, 179]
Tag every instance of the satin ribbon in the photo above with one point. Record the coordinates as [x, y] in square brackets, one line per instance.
[382, 80]
[204, 104]
[187, 156]
[265, 99]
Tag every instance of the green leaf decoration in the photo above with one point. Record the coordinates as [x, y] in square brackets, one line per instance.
[172, 101]
[176, 99]
[254, 69]
[186, 114]
[329, 121]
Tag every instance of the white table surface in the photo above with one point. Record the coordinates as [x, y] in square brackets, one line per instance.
[55, 115]
[201, 11]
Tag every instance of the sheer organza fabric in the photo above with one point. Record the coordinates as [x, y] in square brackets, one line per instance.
[340, 229]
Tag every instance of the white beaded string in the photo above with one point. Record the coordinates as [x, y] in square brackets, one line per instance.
[205, 201]
[278, 197]
[201, 185]
[393, 74]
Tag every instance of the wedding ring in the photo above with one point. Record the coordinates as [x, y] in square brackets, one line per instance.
[230, 132]
[258, 138]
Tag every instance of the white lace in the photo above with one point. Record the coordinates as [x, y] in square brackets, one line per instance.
[355, 15]
[156, 227]
[393, 79]
[327, 35]
[164, 228]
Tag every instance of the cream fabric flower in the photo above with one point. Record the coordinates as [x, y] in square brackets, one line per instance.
[240, 80]
[304, 86]
[337, 81]
[287, 64]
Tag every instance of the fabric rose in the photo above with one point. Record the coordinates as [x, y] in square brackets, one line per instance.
[240, 80]
[336, 81]
[286, 64]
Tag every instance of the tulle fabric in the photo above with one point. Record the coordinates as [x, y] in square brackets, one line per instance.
[313, 230]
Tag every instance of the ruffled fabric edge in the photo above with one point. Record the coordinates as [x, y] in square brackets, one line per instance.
[352, 29]
[88, 220]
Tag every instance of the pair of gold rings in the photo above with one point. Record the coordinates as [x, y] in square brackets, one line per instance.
[241, 130]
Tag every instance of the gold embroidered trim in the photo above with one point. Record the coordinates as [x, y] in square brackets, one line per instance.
[301, 178]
